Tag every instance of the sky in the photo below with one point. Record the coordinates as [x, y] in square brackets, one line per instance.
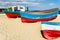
[32, 4]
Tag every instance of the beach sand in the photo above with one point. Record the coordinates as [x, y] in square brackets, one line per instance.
[14, 29]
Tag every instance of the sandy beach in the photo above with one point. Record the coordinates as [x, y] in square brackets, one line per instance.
[14, 29]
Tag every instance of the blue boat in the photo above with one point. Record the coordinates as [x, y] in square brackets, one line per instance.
[39, 15]
[34, 16]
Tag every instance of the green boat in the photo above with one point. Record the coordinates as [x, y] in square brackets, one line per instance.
[13, 12]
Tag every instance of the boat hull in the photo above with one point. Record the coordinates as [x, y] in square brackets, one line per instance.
[51, 30]
[51, 34]
[28, 17]
[27, 20]
[11, 15]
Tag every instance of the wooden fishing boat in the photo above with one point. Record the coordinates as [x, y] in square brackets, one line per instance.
[36, 16]
[13, 12]
[50, 30]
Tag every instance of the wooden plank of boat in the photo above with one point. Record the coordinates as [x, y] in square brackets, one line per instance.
[51, 30]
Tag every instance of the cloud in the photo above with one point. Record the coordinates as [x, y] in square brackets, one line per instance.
[8, 0]
[41, 0]
[6, 4]
[29, 3]
[19, 2]
[51, 4]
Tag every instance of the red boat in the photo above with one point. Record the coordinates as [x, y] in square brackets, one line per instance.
[13, 12]
[51, 30]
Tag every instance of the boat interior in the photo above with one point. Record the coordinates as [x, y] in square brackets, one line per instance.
[43, 11]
